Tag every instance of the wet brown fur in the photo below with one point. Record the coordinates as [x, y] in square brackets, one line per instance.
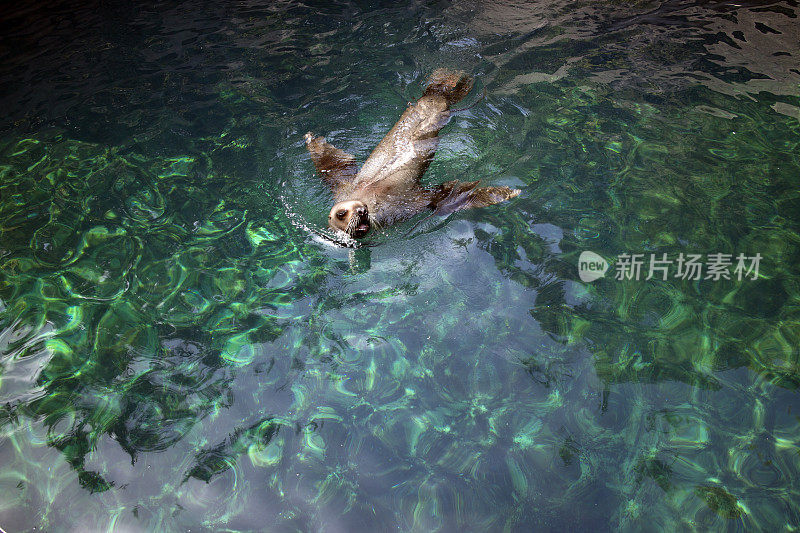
[388, 182]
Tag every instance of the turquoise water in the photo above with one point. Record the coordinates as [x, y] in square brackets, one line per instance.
[178, 352]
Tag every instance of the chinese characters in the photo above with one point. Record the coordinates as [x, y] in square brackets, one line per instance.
[687, 266]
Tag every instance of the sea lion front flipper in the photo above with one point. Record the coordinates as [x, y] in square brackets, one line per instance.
[454, 195]
[336, 167]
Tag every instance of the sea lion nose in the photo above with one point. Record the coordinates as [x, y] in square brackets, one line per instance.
[361, 211]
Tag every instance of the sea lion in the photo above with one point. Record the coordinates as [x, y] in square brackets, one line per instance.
[387, 190]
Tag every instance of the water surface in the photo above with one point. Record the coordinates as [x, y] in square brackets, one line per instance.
[178, 352]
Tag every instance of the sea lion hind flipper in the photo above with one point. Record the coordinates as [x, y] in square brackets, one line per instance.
[404, 153]
[455, 195]
[450, 84]
[336, 167]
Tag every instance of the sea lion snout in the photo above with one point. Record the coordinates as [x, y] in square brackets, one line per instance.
[351, 217]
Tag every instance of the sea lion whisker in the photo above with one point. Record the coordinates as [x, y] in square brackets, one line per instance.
[351, 225]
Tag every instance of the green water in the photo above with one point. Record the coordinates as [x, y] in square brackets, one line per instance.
[178, 352]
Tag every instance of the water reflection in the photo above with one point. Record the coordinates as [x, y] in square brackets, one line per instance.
[743, 48]
[176, 354]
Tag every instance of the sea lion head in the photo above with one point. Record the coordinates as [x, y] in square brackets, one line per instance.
[351, 217]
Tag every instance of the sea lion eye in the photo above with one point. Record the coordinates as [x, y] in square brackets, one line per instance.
[340, 214]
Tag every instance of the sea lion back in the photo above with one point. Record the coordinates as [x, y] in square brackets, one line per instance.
[406, 151]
